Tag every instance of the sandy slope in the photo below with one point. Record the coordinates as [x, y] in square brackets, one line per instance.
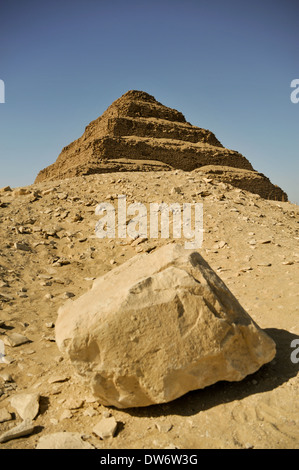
[250, 242]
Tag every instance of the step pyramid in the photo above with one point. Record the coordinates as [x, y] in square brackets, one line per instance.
[137, 133]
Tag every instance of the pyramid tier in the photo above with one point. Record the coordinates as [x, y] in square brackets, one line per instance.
[251, 181]
[113, 153]
[180, 155]
[160, 129]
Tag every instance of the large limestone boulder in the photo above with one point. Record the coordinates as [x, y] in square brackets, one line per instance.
[158, 326]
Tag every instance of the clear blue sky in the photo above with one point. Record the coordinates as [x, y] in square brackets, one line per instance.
[227, 65]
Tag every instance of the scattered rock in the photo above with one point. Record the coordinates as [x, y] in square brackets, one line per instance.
[22, 246]
[163, 426]
[15, 339]
[73, 403]
[6, 377]
[175, 190]
[68, 295]
[245, 269]
[63, 440]
[66, 414]
[4, 415]
[106, 428]
[20, 192]
[49, 296]
[26, 405]
[23, 429]
[139, 240]
[90, 412]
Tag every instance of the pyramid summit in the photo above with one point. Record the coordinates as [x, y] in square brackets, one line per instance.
[138, 133]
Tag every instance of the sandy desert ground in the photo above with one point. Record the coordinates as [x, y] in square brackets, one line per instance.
[49, 252]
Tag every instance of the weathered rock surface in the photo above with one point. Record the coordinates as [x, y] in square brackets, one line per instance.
[15, 339]
[23, 429]
[106, 428]
[158, 326]
[137, 133]
[26, 404]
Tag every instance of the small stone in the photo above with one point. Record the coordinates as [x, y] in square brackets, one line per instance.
[45, 283]
[138, 240]
[106, 428]
[77, 218]
[66, 414]
[68, 295]
[164, 426]
[4, 415]
[252, 242]
[263, 242]
[288, 263]
[4, 284]
[5, 297]
[46, 277]
[28, 352]
[171, 446]
[15, 339]
[63, 440]
[6, 377]
[20, 192]
[248, 445]
[22, 246]
[73, 403]
[90, 412]
[23, 429]
[26, 405]
[62, 196]
[8, 359]
[58, 378]
[264, 264]
[244, 270]
[50, 324]
[175, 190]
[48, 191]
